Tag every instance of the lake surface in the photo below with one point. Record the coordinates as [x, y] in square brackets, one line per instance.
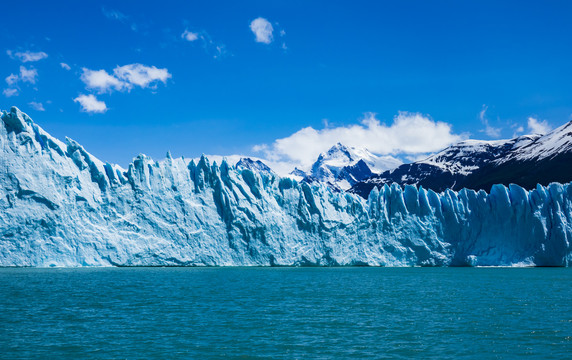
[286, 313]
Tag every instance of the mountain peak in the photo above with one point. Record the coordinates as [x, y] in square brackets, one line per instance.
[342, 166]
[256, 165]
[338, 153]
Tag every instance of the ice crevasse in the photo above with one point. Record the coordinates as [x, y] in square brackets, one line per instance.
[61, 206]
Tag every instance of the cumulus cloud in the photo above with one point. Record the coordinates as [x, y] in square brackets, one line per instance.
[90, 104]
[262, 30]
[100, 80]
[37, 106]
[141, 75]
[409, 134]
[27, 56]
[65, 66]
[124, 78]
[538, 127]
[190, 36]
[489, 130]
[26, 75]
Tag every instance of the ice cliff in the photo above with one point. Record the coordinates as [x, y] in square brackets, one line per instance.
[60, 206]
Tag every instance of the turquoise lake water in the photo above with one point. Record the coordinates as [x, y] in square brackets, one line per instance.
[286, 313]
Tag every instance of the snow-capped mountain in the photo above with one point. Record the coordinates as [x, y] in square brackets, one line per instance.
[61, 206]
[254, 165]
[342, 166]
[525, 160]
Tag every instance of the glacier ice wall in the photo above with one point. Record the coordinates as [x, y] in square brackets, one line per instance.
[61, 206]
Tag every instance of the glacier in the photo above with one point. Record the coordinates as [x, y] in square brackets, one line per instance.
[61, 206]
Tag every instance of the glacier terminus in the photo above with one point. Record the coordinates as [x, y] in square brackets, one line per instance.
[61, 206]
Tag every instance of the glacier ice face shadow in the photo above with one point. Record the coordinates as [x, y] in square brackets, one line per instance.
[61, 206]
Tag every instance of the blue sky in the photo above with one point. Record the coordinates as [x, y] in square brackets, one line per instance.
[403, 78]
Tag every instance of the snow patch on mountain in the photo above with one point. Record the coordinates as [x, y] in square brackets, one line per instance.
[539, 147]
[469, 155]
[342, 166]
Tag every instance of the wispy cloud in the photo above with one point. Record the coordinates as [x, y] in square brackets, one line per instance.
[189, 35]
[27, 56]
[488, 130]
[65, 66]
[114, 14]
[517, 130]
[124, 78]
[409, 134]
[282, 35]
[211, 47]
[538, 127]
[10, 92]
[117, 15]
[90, 104]
[262, 29]
[12, 79]
[37, 106]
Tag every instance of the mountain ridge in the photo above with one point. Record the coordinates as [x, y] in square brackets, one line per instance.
[526, 160]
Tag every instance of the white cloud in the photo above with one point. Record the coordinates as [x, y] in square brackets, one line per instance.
[100, 80]
[217, 50]
[409, 134]
[483, 112]
[12, 79]
[65, 66]
[141, 75]
[114, 14]
[124, 77]
[489, 130]
[117, 15]
[282, 34]
[37, 106]
[538, 127]
[492, 131]
[89, 103]
[190, 36]
[25, 75]
[28, 75]
[10, 92]
[27, 56]
[262, 29]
